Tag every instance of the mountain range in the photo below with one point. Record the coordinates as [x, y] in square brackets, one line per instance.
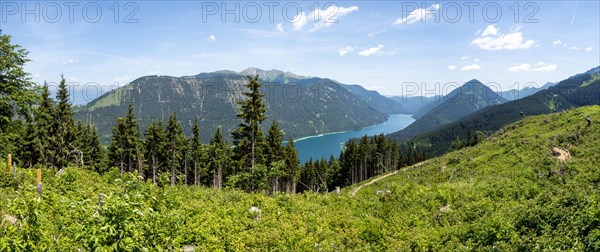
[579, 90]
[468, 98]
[303, 105]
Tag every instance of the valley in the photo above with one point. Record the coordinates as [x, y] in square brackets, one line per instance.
[299, 126]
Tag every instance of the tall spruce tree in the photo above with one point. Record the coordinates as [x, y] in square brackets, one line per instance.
[292, 166]
[44, 128]
[135, 152]
[88, 147]
[64, 129]
[126, 149]
[218, 158]
[117, 150]
[175, 146]
[154, 146]
[275, 155]
[252, 113]
[196, 150]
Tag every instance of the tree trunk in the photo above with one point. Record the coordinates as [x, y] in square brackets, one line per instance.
[253, 150]
[185, 170]
[153, 169]
[173, 164]
[195, 172]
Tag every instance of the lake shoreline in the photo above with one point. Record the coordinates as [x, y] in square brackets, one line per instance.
[327, 144]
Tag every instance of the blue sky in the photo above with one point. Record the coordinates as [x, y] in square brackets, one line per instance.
[377, 44]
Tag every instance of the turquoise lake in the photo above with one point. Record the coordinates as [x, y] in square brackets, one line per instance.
[324, 145]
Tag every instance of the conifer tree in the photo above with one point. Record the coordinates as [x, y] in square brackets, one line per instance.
[117, 150]
[275, 155]
[218, 158]
[292, 168]
[252, 113]
[64, 128]
[196, 151]
[95, 153]
[44, 128]
[134, 146]
[175, 146]
[154, 146]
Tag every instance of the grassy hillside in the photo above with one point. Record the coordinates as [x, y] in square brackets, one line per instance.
[510, 192]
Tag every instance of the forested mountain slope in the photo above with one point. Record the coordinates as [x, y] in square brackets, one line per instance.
[303, 105]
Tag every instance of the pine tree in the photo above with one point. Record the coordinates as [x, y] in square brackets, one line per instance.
[154, 146]
[91, 151]
[275, 150]
[134, 147]
[126, 149]
[196, 151]
[275, 155]
[95, 153]
[252, 113]
[292, 168]
[175, 146]
[218, 158]
[28, 151]
[64, 126]
[44, 129]
[117, 150]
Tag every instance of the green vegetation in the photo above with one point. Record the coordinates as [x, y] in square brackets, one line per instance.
[213, 97]
[466, 99]
[567, 94]
[508, 193]
[111, 98]
[595, 77]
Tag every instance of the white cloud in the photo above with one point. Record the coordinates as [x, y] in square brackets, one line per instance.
[589, 49]
[464, 57]
[470, 67]
[574, 48]
[372, 34]
[539, 67]
[300, 21]
[322, 17]
[371, 51]
[419, 14]
[345, 50]
[545, 68]
[212, 38]
[280, 27]
[476, 59]
[490, 30]
[556, 42]
[522, 67]
[70, 61]
[492, 39]
[452, 67]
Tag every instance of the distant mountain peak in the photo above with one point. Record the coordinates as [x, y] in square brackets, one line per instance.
[271, 75]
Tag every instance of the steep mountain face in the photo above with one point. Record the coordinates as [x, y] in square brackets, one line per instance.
[470, 97]
[304, 106]
[376, 100]
[579, 90]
